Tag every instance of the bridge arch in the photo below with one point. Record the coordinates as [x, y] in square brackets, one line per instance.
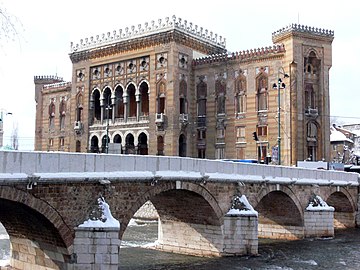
[345, 209]
[35, 229]
[187, 214]
[280, 211]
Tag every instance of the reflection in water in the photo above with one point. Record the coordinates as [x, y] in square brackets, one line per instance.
[342, 252]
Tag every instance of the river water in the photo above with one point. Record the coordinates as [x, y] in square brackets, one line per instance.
[341, 252]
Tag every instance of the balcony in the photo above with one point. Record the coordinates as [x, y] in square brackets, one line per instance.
[78, 126]
[160, 119]
[310, 112]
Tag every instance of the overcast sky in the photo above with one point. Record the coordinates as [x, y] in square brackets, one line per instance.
[47, 28]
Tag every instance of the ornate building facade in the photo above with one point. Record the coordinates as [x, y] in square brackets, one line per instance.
[171, 88]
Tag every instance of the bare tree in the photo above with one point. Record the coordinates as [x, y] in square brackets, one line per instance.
[9, 26]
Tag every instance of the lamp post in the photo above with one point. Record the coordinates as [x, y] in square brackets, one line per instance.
[280, 85]
[2, 111]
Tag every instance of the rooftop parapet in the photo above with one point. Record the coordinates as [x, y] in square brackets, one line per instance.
[302, 29]
[242, 55]
[57, 85]
[47, 78]
[148, 29]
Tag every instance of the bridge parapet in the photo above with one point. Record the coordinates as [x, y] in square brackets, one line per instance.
[49, 166]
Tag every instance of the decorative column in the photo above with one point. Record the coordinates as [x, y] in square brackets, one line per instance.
[126, 107]
[138, 107]
[102, 110]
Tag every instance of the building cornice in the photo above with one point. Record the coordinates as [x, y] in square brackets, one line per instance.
[302, 31]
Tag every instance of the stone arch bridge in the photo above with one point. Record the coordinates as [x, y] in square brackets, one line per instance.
[45, 196]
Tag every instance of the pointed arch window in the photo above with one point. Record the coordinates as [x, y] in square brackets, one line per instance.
[79, 107]
[183, 97]
[52, 113]
[262, 92]
[161, 97]
[131, 100]
[107, 108]
[62, 113]
[95, 104]
[119, 102]
[220, 89]
[310, 99]
[240, 95]
[201, 98]
[144, 99]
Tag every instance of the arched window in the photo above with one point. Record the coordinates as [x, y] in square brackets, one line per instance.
[119, 102]
[262, 92]
[201, 98]
[183, 96]
[240, 95]
[62, 112]
[143, 144]
[220, 89]
[312, 140]
[310, 99]
[131, 100]
[182, 146]
[107, 108]
[79, 107]
[95, 104]
[161, 97]
[52, 113]
[144, 98]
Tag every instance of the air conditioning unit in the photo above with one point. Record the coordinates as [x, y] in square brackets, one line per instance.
[77, 125]
[159, 118]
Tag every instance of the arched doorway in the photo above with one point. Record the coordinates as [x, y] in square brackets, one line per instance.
[94, 145]
[117, 144]
[105, 144]
[129, 144]
[143, 144]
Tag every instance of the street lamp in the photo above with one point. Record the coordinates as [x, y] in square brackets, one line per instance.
[2, 111]
[280, 85]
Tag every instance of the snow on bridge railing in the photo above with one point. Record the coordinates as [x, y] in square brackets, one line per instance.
[67, 167]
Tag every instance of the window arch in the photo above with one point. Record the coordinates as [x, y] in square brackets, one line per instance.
[107, 107]
[95, 104]
[220, 89]
[131, 90]
[119, 102]
[240, 95]
[142, 144]
[94, 144]
[161, 97]
[129, 144]
[201, 89]
[183, 96]
[52, 113]
[62, 112]
[262, 92]
[79, 107]
[144, 98]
